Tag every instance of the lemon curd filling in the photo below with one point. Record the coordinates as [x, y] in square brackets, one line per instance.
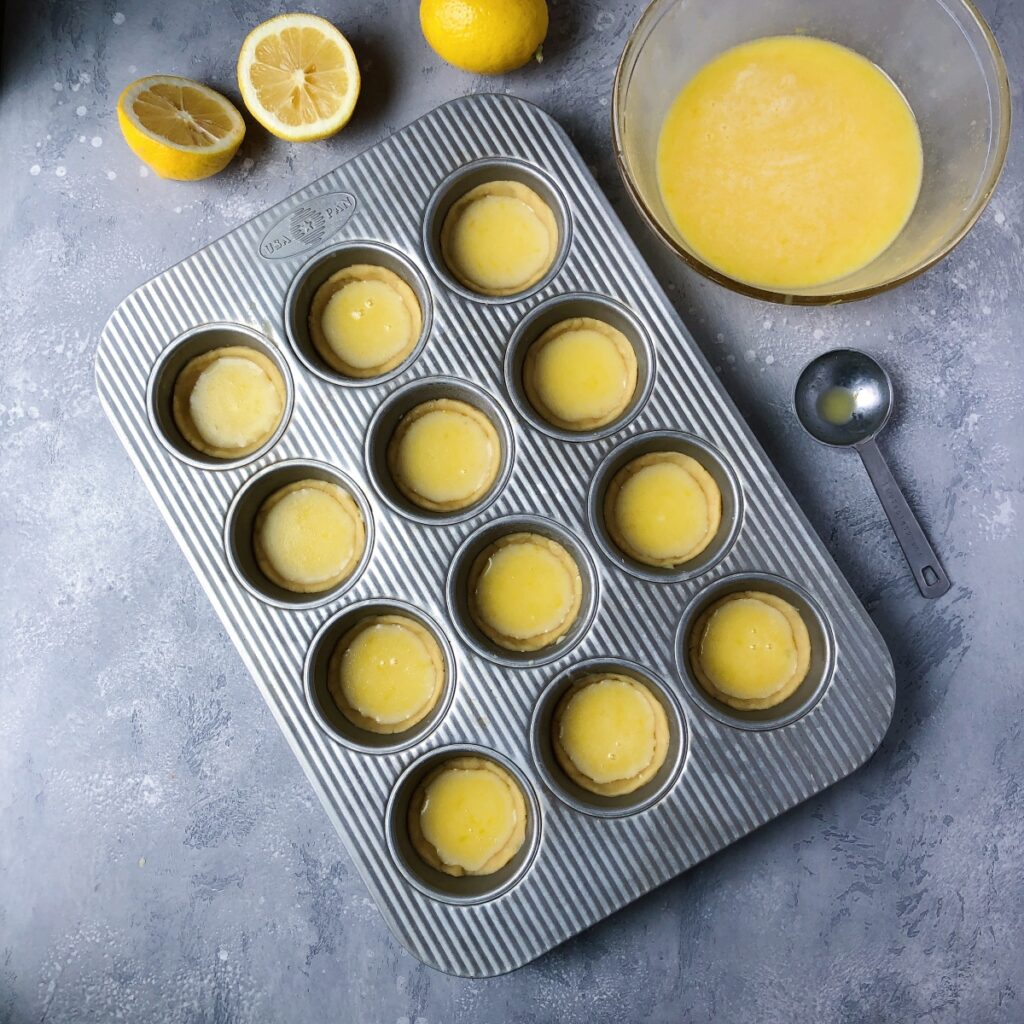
[178, 127]
[663, 509]
[309, 536]
[364, 320]
[444, 455]
[468, 817]
[499, 238]
[525, 591]
[789, 162]
[750, 650]
[580, 374]
[229, 401]
[610, 734]
[386, 673]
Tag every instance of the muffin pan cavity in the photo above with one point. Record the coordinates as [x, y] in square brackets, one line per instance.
[481, 173]
[542, 739]
[459, 589]
[240, 524]
[573, 307]
[464, 889]
[317, 271]
[711, 460]
[822, 659]
[389, 416]
[173, 360]
[317, 668]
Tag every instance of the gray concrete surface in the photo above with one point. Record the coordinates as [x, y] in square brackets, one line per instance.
[161, 856]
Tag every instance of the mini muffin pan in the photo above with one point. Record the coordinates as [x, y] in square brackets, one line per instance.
[727, 772]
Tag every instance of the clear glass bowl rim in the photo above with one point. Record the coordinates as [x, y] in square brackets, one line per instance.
[647, 23]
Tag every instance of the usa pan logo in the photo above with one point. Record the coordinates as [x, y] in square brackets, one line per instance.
[308, 225]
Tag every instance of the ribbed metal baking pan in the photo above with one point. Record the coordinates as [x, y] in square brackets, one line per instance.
[725, 775]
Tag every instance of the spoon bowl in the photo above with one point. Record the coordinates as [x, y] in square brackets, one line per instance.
[843, 372]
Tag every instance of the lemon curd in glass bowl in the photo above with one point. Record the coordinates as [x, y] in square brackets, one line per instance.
[811, 151]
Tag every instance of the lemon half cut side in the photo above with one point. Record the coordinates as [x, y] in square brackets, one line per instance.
[298, 77]
[182, 129]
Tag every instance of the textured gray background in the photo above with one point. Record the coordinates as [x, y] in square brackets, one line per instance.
[161, 856]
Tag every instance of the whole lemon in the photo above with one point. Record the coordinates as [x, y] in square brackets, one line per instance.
[488, 37]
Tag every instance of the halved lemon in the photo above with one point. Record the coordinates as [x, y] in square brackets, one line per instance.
[182, 129]
[299, 77]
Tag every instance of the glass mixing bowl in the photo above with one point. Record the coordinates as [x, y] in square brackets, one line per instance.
[940, 53]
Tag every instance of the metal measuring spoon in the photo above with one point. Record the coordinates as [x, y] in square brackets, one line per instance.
[843, 399]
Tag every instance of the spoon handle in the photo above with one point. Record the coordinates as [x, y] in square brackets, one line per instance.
[931, 578]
